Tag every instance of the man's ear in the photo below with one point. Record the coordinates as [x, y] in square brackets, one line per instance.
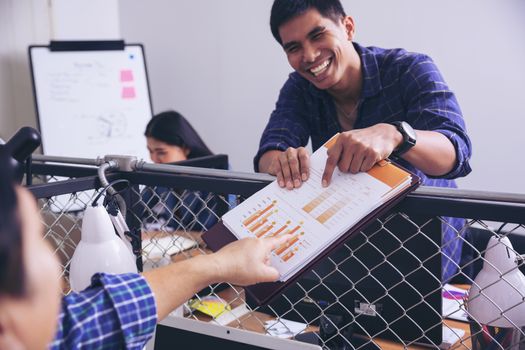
[8, 338]
[348, 23]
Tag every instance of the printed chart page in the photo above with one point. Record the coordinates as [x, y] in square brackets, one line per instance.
[314, 215]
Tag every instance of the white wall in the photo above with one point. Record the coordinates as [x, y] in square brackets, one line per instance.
[21, 23]
[217, 63]
[27, 22]
[84, 19]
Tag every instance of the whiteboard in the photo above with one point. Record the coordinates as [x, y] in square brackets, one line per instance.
[91, 103]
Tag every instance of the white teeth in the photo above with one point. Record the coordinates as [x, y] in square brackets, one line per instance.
[316, 70]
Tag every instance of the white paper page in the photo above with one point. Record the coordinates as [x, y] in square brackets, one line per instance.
[158, 248]
[284, 328]
[314, 215]
[451, 336]
[454, 303]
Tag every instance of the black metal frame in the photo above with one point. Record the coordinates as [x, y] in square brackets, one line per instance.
[481, 209]
[450, 202]
[425, 201]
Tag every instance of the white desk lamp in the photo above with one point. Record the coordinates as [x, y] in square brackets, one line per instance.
[496, 302]
[99, 249]
[497, 296]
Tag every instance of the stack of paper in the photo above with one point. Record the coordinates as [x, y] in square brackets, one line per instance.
[157, 252]
[454, 303]
[313, 215]
[451, 336]
[284, 328]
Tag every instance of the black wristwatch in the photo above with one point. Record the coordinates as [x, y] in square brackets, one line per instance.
[409, 138]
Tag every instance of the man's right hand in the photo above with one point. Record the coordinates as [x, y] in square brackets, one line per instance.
[292, 167]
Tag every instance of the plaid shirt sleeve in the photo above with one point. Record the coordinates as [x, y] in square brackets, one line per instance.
[433, 106]
[115, 312]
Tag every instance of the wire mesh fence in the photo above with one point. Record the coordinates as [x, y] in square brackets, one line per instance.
[383, 288]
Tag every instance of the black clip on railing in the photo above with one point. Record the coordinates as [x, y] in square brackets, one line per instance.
[18, 150]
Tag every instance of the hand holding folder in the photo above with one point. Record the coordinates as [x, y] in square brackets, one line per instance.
[316, 219]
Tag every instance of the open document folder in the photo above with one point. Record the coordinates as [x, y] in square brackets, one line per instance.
[319, 218]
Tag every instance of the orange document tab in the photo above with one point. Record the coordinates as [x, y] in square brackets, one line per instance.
[388, 173]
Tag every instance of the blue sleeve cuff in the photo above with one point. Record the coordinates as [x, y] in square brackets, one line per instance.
[268, 147]
[463, 152]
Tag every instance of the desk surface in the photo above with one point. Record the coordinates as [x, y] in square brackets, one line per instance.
[254, 321]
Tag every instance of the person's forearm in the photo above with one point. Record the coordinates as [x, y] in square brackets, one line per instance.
[266, 160]
[433, 154]
[172, 285]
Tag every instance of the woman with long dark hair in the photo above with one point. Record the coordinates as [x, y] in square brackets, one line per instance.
[170, 139]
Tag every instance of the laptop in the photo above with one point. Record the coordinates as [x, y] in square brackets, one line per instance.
[185, 333]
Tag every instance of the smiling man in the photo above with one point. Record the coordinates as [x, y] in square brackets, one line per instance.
[384, 102]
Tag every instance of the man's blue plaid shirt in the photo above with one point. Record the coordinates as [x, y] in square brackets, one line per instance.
[115, 312]
[397, 85]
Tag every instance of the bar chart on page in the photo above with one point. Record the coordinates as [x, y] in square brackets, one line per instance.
[268, 219]
[332, 207]
[313, 215]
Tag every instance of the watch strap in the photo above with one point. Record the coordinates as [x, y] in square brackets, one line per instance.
[407, 143]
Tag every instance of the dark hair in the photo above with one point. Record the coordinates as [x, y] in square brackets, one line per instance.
[285, 10]
[172, 128]
[12, 276]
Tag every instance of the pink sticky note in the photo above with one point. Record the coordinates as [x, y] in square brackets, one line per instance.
[126, 75]
[128, 92]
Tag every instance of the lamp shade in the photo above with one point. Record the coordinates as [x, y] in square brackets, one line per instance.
[496, 297]
[99, 250]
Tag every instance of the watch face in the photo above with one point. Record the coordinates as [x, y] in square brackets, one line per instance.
[409, 131]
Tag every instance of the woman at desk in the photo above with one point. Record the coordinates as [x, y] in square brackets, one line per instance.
[171, 139]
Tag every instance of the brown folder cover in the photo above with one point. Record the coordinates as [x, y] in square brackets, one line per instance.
[263, 293]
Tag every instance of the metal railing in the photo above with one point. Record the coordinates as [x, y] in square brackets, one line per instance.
[384, 283]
